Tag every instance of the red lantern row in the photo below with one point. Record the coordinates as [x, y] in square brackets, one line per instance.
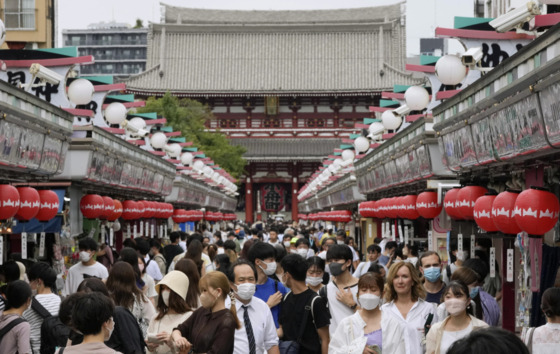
[406, 207]
[302, 216]
[213, 216]
[26, 203]
[94, 206]
[182, 215]
[336, 216]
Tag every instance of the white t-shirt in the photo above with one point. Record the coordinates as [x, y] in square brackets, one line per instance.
[152, 269]
[76, 275]
[338, 309]
[150, 289]
[51, 302]
[546, 339]
[448, 338]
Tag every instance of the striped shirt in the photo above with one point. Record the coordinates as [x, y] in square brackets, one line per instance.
[51, 302]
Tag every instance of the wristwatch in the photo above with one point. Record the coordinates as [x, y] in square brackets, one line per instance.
[353, 307]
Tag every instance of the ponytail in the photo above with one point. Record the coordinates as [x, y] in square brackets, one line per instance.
[234, 310]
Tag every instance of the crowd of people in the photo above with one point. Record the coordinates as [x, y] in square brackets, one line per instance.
[270, 289]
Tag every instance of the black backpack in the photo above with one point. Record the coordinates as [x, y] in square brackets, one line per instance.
[54, 333]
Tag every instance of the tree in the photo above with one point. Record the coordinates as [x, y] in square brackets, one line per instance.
[189, 117]
[139, 23]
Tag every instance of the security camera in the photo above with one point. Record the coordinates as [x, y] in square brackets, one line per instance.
[134, 131]
[375, 129]
[516, 17]
[471, 57]
[44, 74]
[401, 111]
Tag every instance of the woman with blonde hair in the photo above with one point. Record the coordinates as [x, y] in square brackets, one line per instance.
[211, 328]
[404, 301]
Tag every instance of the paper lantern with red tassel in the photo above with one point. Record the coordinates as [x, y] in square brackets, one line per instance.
[9, 201]
[482, 213]
[92, 206]
[466, 197]
[49, 205]
[427, 205]
[450, 203]
[536, 211]
[29, 203]
[502, 212]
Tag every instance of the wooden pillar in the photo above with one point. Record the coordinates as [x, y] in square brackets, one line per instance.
[295, 210]
[249, 200]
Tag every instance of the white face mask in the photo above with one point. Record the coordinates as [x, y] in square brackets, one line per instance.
[110, 330]
[314, 281]
[287, 244]
[246, 291]
[369, 301]
[455, 306]
[165, 297]
[293, 250]
[270, 268]
[85, 256]
[302, 252]
[340, 242]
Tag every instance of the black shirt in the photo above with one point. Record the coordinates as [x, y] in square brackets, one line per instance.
[291, 317]
[170, 252]
[436, 297]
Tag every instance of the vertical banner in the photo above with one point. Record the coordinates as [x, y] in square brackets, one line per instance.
[42, 245]
[111, 237]
[152, 230]
[160, 235]
[128, 230]
[492, 262]
[141, 229]
[24, 245]
[406, 237]
[472, 246]
[135, 231]
[430, 241]
[509, 265]
[459, 244]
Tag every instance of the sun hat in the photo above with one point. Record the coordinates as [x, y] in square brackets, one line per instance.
[176, 281]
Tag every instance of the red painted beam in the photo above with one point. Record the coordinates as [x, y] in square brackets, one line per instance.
[477, 34]
[442, 95]
[421, 68]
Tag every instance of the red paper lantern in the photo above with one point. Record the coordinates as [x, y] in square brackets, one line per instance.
[483, 213]
[409, 204]
[380, 208]
[180, 216]
[536, 211]
[92, 206]
[427, 205]
[140, 209]
[49, 205]
[344, 215]
[168, 210]
[502, 213]
[400, 208]
[451, 204]
[117, 210]
[130, 210]
[109, 207]
[9, 201]
[159, 210]
[466, 197]
[29, 203]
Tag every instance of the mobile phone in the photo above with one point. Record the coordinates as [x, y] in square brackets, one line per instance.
[152, 338]
[428, 323]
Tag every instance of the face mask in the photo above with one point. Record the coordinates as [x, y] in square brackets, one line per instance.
[270, 268]
[302, 252]
[462, 255]
[294, 251]
[314, 281]
[287, 244]
[85, 256]
[33, 292]
[455, 306]
[474, 292]
[110, 331]
[246, 291]
[340, 242]
[369, 301]
[141, 267]
[336, 269]
[165, 297]
[432, 274]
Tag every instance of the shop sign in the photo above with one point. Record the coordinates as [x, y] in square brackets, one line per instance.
[550, 105]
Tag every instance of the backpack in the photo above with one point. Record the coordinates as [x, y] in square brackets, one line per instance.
[54, 333]
[9, 327]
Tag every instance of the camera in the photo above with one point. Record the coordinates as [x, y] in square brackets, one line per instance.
[471, 57]
[401, 111]
[134, 131]
[44, 74]
[516, 17]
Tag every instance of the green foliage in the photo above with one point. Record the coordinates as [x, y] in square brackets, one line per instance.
[139, 23]
[189, 117]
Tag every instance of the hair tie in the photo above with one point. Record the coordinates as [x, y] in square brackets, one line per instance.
[232, 296]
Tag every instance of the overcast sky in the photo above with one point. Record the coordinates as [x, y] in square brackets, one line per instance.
[427, 14]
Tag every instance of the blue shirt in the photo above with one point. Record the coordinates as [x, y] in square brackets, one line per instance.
[264, 291]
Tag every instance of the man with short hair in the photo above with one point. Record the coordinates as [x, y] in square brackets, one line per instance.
[302, 247]
[263, 257]
[173, 249]
[373, 252]
[388, 253]
[87, 267]
[304, 317]
[258, 332]
[341, 292]
[152, 268]
[273, 237]
[430, 266]
[326, 243]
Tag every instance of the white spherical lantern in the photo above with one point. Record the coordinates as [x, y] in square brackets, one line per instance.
[137, 122]
[2, 33]
[158, 140]
[337, 162]
[80, 91]
[173, 150]
[207, 171]
[391, 121]
[361, 144]
[332, 169]
[417, 98]
[115, 113]
[348, 155]
[198, 165]
[450, 70]
[187, 158]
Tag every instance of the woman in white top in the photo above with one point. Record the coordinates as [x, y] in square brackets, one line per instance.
[460, 322]
[546, 339]
[150, 285]
[404, 294]
[172, 311]
[369, 330]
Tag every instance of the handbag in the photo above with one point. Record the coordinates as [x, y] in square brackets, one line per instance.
[291, 346]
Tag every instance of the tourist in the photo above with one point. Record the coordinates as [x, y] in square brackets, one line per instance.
[16, 338]
[546, 338]
[87, 267]
[211, 328]
[152, 268]
[150, 287]
[369, 330]
[404, 301]
[410, 251]
[173, 249]
[490, 340]
[430, 266]
[156, 254]
[188, 268]
[460, 322]
[388, 254]
[373, 252]
[315, 273]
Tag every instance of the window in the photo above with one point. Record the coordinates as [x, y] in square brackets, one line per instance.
[19, 14]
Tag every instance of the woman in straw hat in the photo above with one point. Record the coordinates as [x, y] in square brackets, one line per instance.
[172, 311]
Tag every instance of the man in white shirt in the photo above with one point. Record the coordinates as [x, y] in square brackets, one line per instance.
[373, 252]
[257, 334]
[88, 267]
[273, 237]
